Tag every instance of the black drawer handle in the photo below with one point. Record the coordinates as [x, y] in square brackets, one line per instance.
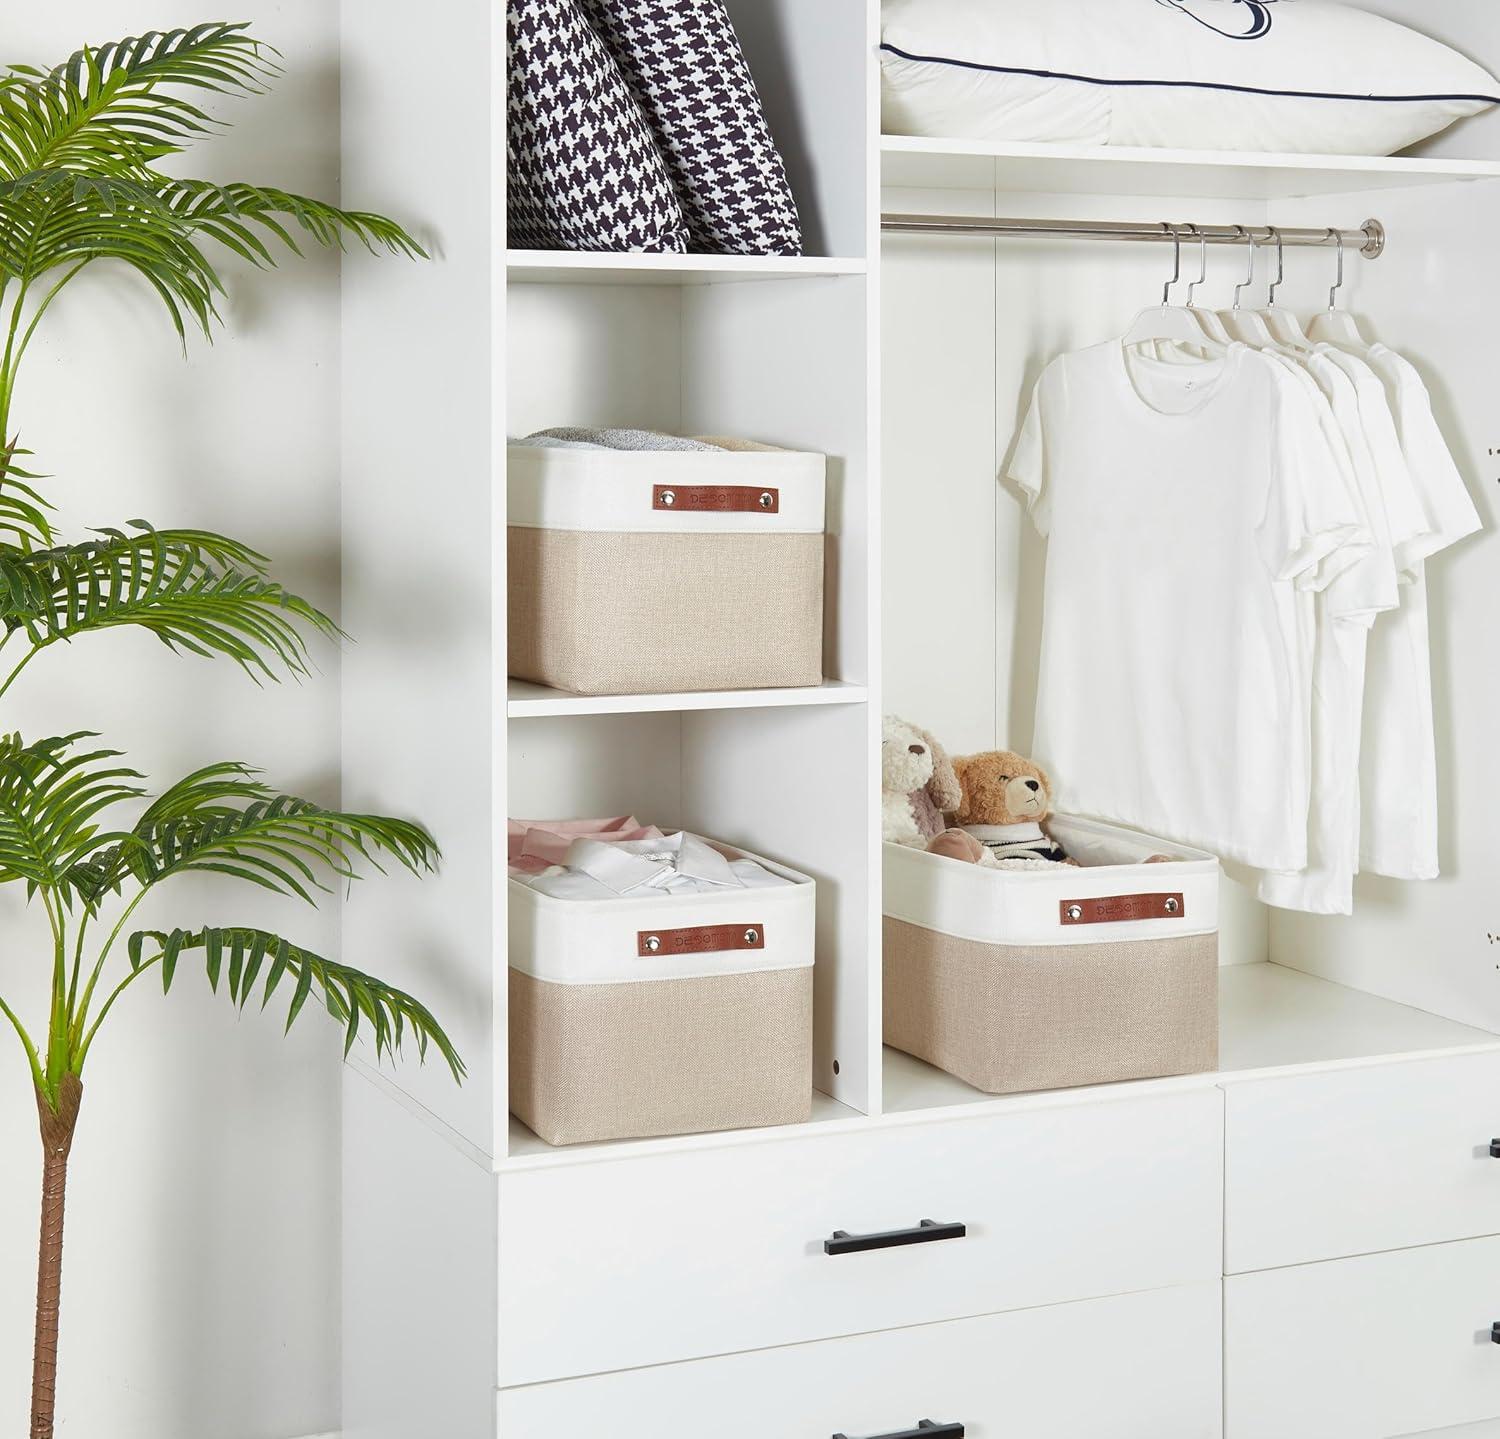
[929, 1231]
[926, 1429]
[1495, 1333]
[1495, 1149]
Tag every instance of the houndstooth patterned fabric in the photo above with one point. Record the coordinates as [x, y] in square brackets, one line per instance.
[683, 62]
[584, 170]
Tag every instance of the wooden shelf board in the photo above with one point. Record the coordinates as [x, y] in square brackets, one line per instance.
[1116, 170]
[529, 701]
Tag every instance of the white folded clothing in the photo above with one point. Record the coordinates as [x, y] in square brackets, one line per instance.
[676, 864]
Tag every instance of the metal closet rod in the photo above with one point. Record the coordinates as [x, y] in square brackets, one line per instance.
[1369, 240]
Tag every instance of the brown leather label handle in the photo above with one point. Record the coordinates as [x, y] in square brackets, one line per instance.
[720, 499]
[706, 939]
[1123, 909]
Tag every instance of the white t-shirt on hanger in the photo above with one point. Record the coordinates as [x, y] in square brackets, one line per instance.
[1190, 517]
[1347, 611]
[1398, 767]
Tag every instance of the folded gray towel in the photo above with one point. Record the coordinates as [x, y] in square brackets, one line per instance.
[568, 438]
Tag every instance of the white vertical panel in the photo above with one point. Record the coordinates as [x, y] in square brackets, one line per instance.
[795, 785]
[785, 363]
[809, 62]
[1434, 295]
[597, 765]
[940, 501]
[419, 403]
[419, 1247]
[594, 355]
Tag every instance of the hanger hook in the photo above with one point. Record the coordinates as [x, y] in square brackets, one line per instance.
[1333, 294]
[1202, 266]
[1166, 294]
[1250, 279]
[1280, 265]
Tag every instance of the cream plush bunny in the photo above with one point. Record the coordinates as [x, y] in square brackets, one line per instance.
[918, 785]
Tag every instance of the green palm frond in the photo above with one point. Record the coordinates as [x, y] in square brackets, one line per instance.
[239, 955]
[234, 214]
[60, 221]
[193, 589]
[114, 104]
[222, 820]
[51, 798]
[23, 509]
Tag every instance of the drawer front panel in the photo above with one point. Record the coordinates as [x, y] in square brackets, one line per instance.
[1142, 1366]
[1361, 1161]
[623, 1263]
[1359, 1348]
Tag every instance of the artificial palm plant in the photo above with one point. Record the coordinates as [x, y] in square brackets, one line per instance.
[80, 183]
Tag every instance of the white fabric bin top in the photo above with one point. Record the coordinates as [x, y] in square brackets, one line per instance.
[1026, 906]
[666, 492]
[586, 941]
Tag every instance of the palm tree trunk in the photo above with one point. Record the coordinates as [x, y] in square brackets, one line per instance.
[57, 1139]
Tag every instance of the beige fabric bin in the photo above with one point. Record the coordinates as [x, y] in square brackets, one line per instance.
[1018, 980]
[639, 572]
[612, 1038]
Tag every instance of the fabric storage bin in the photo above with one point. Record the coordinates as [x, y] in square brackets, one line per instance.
[639, 572]
[1019, 980]
[636, 1017]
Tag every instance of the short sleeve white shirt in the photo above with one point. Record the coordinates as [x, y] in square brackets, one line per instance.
[1398, 765]
[1190, 519]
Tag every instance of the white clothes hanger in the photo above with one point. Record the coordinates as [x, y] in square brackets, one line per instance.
[1335, 326]
[1176, 324]
[1243, 324]
[1282, 324]
[1208, 322]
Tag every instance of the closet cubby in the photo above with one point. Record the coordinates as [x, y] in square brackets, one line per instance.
[968, 324]
[755, 779]
[775, 351]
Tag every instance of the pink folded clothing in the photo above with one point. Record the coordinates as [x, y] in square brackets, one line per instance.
[535, 845]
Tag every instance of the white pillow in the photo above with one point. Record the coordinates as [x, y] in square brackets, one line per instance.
[1268, 75]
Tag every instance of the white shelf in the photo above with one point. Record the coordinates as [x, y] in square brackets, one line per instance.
[529, 701]
[1272, 1020]
[529, 1152]
[1111, 170]
[550, 267]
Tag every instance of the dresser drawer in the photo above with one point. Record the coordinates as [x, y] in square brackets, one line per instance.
[1142, 1366]
[1364, 1348]
[634, 1261]
[1360, 1161]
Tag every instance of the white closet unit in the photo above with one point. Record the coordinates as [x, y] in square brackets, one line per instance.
[1302, 1245]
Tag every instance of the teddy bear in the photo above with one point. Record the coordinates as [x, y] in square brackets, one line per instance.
[1006, 801]
[918, 785]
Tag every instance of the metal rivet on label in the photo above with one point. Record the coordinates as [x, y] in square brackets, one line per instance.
[1075, 911]
[1172, 906]
[653, 943]
[752, 936]
[669, 498]
[767, 500]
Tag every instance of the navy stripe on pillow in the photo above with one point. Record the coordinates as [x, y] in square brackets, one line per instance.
[1183, 84]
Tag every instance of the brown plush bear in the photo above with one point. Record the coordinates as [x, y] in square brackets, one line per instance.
[1006, 801]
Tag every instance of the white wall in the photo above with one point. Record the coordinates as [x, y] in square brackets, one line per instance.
[201, 1283]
